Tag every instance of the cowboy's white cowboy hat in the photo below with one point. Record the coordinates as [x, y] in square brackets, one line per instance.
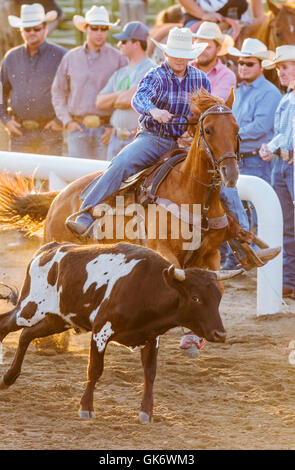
[180, 44]
[31, 15]
[283, 53]
[95, 16]
[210, 30]
[251, 48]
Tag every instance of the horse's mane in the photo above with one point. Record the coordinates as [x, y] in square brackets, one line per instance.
[203, 100]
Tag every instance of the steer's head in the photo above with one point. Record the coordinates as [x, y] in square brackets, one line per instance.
[199, 299]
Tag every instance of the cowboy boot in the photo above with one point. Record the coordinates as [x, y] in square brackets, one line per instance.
[250, 258]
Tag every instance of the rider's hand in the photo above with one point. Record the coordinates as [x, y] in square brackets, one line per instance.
[265, 153]
[161, 115]
[13, 127]
[73, 126]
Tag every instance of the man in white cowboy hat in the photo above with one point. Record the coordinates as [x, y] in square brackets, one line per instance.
[222, 79]
[82, 74]
[26, 75]
[282, 145]
[256, 100]
[118, 92]
[162, 93]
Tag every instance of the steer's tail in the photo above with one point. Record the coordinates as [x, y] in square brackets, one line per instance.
[21, 206]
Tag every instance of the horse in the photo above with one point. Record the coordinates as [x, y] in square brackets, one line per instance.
[276, 28]
[192, 181]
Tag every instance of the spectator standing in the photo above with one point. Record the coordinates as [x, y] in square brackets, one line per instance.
[27, 73]
[256, 100]
[118, 92]
[222, 79]
[282, 146]
[82, 74]
[132, 10]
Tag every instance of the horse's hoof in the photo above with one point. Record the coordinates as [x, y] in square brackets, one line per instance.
[144, 417]
[86, 414]
[3, 385]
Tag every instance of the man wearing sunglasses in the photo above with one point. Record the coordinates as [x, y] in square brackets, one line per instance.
[256, 100]
[82, 74]
[27, 73]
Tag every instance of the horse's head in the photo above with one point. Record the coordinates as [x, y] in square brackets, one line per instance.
[218, 134]
[282, 25]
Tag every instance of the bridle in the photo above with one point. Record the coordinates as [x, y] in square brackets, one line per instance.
[216, 109]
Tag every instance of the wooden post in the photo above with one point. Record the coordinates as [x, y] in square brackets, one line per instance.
[79, 11]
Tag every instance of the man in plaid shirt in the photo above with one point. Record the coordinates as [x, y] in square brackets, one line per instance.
[163, 93]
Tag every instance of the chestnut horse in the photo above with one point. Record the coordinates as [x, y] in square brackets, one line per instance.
[212, 158]
[275, 29]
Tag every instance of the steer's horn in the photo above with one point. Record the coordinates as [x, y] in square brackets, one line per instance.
[176, 273]
[227, 274]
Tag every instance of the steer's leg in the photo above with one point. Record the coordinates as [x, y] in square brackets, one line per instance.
[94, 371]
[149, 362]
[45, 327]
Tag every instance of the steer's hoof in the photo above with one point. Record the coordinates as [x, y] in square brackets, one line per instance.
[86, 414]
[144, 418]
[3, 385]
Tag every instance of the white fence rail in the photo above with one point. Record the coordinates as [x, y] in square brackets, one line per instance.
[62, 170]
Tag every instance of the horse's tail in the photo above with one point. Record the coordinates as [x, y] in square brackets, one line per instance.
[21, 206]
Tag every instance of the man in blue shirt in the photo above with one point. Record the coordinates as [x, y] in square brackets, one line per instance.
[282, 146]
[256, 100]
[27, 73]
[162, 93]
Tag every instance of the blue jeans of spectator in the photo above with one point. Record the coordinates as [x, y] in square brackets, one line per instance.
[255, 166]
[144, 151]
[282, 180]
[116, 145]
[39, 141]
[87, 143]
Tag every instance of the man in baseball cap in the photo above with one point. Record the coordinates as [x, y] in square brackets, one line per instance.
[118, 92]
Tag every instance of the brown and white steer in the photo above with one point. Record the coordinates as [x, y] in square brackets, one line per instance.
[123, 293]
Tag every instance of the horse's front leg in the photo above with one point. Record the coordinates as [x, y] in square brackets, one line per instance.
[149, 362]
[94, 372]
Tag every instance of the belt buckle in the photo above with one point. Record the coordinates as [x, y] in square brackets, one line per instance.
[285, 154]
[30, 124]
[91, 121]
[123, 134]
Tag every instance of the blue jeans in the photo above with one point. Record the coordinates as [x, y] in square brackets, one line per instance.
[255, 166]
[282, 180]
[87, 144]
[231, 199]
[39, 141]
[116, 145]
[144, 151]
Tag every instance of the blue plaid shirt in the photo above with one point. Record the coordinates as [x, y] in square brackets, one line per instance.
[162, 89]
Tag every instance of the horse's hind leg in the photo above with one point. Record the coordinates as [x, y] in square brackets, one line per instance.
[45, 327]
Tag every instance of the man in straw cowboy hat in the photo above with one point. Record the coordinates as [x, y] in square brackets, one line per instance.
[27, 73]
[118, 92]
[222, 79]
[256, 100]
[163, 92]
[82, 74]
[282, 145]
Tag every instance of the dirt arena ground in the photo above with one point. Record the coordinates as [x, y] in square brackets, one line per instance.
[240, 395]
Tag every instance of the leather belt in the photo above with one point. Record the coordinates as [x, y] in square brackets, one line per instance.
[92, 120]
[31, 124]
[285, 155]
[124, 134]
[253, 153]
